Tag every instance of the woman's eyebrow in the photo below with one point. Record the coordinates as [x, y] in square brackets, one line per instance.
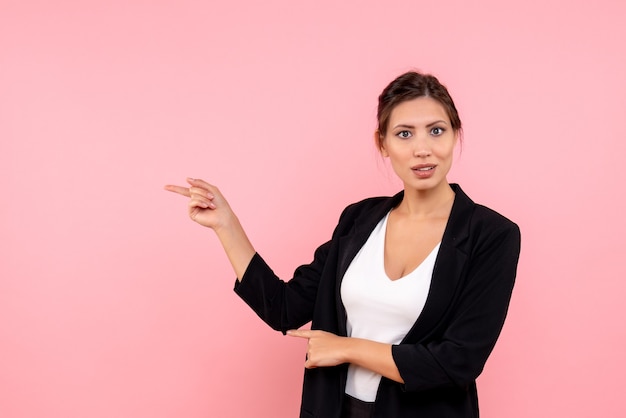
[402, 125]
[436, 122]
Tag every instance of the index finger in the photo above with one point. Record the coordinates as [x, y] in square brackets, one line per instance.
[300, 333]
[178, 189]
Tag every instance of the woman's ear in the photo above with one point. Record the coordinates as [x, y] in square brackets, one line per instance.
[379, 140]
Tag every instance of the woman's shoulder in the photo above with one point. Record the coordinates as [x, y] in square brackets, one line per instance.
[375, 203]
[479, 223]
[369, 202]
[481, 214]
[365, 213]
[489, 226]
[484, 214]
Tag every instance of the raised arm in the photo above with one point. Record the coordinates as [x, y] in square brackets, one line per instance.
[208, 207]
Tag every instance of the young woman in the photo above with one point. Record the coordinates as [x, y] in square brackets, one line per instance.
[408, 297]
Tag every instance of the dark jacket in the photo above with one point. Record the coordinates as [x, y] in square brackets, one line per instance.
[447, 347]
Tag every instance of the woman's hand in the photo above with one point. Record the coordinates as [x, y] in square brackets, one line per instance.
[207, 205]
[324, 349]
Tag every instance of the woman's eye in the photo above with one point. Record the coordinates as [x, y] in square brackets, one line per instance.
[404, 134]
[436, 131]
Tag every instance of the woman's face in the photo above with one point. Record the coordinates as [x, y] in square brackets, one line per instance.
[420, 143]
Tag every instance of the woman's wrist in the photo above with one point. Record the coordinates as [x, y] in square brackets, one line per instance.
[236, 244]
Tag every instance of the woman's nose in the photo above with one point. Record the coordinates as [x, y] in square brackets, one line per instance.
[422, 151]
[421, 146]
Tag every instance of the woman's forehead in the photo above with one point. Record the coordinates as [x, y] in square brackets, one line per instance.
[422, 109]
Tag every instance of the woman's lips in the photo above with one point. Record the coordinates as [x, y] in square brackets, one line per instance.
[424, 171]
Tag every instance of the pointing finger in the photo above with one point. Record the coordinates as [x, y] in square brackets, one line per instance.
[300, 333]
[178, 189]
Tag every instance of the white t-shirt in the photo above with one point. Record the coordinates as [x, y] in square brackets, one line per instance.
[378, 308]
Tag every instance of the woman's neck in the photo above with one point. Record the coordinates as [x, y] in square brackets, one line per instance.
[427, 203]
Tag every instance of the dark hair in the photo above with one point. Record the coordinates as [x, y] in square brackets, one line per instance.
[409, 86]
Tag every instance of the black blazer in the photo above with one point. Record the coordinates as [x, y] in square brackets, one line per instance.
[447, 347]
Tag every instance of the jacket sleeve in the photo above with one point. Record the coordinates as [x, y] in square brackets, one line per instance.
[282, 305]
[288, 305]
[458, 354]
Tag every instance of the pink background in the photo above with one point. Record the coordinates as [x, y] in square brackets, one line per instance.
[114, 304]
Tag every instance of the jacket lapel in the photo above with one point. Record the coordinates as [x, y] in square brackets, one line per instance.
[364, 224]
[449, 265]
